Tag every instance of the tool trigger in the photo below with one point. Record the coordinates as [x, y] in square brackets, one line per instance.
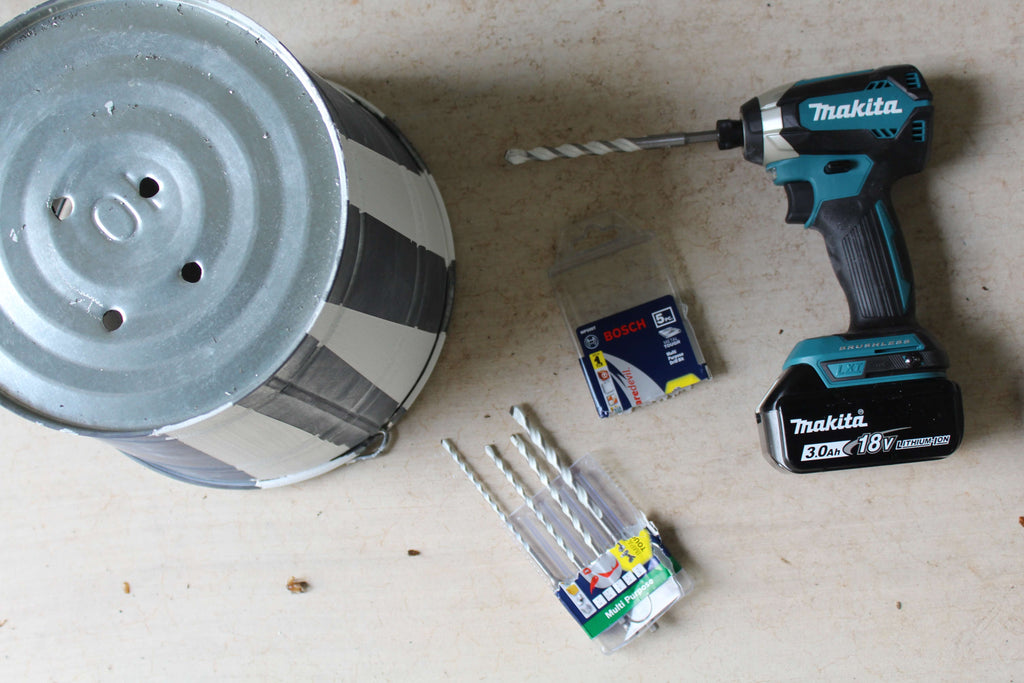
[800, 194]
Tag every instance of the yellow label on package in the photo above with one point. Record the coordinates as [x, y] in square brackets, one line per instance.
[633, 551]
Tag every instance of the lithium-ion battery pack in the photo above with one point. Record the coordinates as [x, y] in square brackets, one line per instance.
[808, 427]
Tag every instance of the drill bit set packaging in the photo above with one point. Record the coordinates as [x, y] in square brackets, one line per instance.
[629, 326]
[605, 560]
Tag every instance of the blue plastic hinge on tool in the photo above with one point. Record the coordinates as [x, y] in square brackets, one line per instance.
[810, 168]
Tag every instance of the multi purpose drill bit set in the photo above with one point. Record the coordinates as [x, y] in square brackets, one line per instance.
[605, 560]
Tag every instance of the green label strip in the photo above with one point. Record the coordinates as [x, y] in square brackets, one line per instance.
[655, 577]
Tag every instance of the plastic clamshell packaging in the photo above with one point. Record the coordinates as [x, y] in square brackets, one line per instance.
[624, 591]
[629, 326]
[232, 270]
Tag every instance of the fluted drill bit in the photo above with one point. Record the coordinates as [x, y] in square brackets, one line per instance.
[601, 147]
[545, 481]
[502, 515]
[553, 458]
[517, 484]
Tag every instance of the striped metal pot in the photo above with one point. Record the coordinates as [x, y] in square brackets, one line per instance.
[232, 270]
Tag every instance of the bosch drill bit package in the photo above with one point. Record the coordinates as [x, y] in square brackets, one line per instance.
[605, 560]
[630, 329]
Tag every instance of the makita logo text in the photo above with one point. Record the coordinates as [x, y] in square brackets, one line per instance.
[829, 424]
[873, 106]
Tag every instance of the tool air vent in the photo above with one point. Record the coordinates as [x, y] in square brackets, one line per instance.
[919, 131]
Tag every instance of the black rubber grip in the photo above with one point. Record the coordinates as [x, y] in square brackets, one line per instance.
[870, 259]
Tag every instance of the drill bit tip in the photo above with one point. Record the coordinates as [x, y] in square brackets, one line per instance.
[516, 156]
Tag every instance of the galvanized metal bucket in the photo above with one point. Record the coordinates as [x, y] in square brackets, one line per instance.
[232, 270]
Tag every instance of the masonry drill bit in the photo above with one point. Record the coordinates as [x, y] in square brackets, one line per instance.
[502, 515]
[517, 484]
[554, 459]
[601, 147]
[545, 480]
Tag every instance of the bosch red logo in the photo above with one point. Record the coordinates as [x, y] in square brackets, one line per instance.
[623, 330]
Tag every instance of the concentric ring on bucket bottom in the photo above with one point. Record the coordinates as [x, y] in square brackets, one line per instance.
[243, 176]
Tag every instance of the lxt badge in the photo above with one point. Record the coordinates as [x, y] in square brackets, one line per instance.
[639, 356]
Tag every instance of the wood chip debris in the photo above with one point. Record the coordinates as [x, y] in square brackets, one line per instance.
[127, 588]
[297, 585]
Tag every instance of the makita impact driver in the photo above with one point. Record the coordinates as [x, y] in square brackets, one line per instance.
[878, 393]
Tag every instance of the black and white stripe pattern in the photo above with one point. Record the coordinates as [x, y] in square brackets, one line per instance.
[368, 354]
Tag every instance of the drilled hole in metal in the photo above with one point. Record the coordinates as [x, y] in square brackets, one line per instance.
[192, 272]
[148, 187]
[113, 319]
[62, 207]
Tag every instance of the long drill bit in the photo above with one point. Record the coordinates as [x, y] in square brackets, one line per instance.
[502, 515]
[553, 458]
[545, 481]
[601, 147]
[517, 484]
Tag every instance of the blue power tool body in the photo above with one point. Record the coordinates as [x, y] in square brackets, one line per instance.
[878, 393]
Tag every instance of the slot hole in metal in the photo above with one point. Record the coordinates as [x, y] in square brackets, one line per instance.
[62, 207]
[192, 272]
[148, 187]
[113, 319]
